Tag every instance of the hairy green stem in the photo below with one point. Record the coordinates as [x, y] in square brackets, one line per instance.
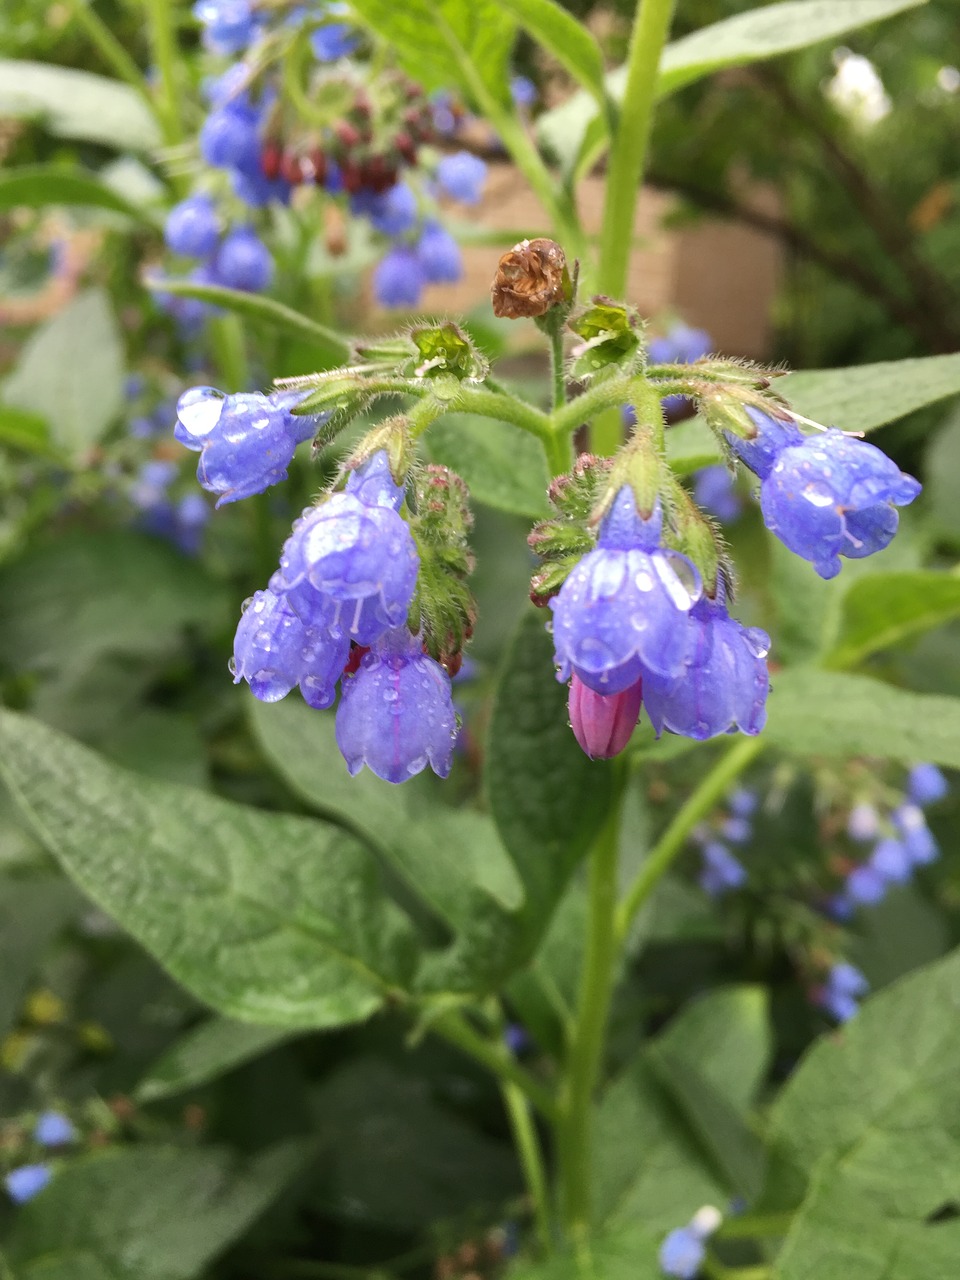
[630, 141]
[586, 1049]
[163, 43]
[531, 1160]
[457, 1030]
[712, 789]
[109, 47]
[605, 394]
[559, 449]
[505, 408]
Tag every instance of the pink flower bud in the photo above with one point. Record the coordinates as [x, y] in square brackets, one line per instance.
[603, 723]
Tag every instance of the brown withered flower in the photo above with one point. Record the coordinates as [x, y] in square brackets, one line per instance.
[531, 278]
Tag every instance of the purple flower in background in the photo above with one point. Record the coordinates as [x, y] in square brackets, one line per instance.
[399, 278]
[192, 227]
[743, 802]
[891, 859]
[334, 40]
[721, 871]
[462, 177]
[863, 822]
[396, 714]
[682, 1253]
[682, 345]
[926, 785]
[844, 988]
[24, 1183]
[395, 211]
[229, 25]
[523, 91]
[623, 612]
[865, 885]
[439, 255]
[715, 490]
[230, 137]
[917, 837]
[243, 261]
[53, 1129]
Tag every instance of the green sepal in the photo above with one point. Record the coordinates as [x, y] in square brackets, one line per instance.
[386, 354]
[444, 350]
[391, 436]
[611, 334]
[443, 607]
[562, 540]
[689, 530]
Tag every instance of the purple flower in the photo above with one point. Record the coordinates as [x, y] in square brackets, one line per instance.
[738, 830]
[229, 25]
[192, 227]
[743, 802]
[462, 176]
[395, 211]
[603, 723]
[721, 870]
[273, 651]
[725, 684]
[682, 1253]
[844, 987]
[23, 1184]
[190, 517]
[243, 261]
[865, 885]
[439, 255]
[523, 91]
[715, 490]
[399, 278]
[53, 1129]
[230, 138]
[891, 859]
[396, 714]
[682, 345]
[926, 784]
[333, 41]
[515, 1038]
[623, 612]
[921, 847]
[826, 495]
[351, 564]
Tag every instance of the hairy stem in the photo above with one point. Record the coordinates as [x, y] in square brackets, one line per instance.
[505, 408]
[457, 1030]
[586, 1050]
[531, 1160]
[713, 787]
[628, 149]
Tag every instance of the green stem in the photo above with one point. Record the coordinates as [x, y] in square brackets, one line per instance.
[559, 449]
[586, 1050]
[630, 141]
[110, 48]
[458, 1031]
[226, 335]
[558, 373]
[163, 43]
[755, 1226]
[606, 394]
[531, 1160]
[505, 408]
[712, 789]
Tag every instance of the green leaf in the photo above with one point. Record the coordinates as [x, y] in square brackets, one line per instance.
[767, 32]
[145, 1213]
[33, 910]
[330, 345]
[625, 1252]
[77, 104]
[204, 1053]
[871, 395]
[82, 596]
[825, 713]
[39, 185]
[416, 33]
[887, 608]
[549, 800]
[452, 860]
[269, 918]
[872, 1100]
[691, 445]
[503, 467]
[565, 38]
[26, 431]
[70, 372]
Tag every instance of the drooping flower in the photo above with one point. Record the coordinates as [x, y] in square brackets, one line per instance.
[919, 843]
[24, 1183]
[399, 278]
[844, 988]
[274, 652]
[229, 26]
[53, 1129]
[439, 255]
[603, 723]
[891, 860]
[721, 870]
[865, 885]
[351, 564]
[192, 227]
[715, 491]
[462, 176]
[396, 714]
[395, 211]
[682, 1253]
[623, 612]
[725, 684]
[243, 261]
[827, 495]
[926, 784]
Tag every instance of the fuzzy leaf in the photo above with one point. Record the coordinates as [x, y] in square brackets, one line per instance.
[77, 104]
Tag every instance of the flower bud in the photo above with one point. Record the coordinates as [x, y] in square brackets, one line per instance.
[603, 723]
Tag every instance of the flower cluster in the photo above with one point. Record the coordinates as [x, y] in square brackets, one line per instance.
[842, 991]
[721, 871]
[53, 1131]
[182, 520]
[684, 1249]
[900, 837]
[337, 611]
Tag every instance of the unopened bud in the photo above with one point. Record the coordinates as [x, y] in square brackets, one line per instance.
[530, 279]
[603, 723]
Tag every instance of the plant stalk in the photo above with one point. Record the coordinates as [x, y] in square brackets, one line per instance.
[630, 142]
[457, 1030]
[531, 1159]
[163, 42]
[109, 47]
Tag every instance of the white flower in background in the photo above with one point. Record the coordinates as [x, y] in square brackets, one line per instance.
[857, 91]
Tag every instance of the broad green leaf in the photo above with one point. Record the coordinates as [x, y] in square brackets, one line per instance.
[877, 1100]
[416, 33]
[549, 800]
[942, 476]
[33, 910]
[502, 466]
[70, 372]
[145, 1213]
[26, 431]
[903, 932]
[453, 861]
[45, 184]
[204, 1053]
[160, 744]
[868, 396]
[767, 32]
[575, 134]
[691, 445]
[568, 40]
[268, 918]
[85, 595]
[887, 608]
[831, 714]
[77, 104]
[254, 306]
[627, 1252]
[392, 1156]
